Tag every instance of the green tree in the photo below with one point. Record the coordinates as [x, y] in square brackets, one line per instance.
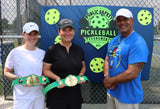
[5, 24]
[14, 24]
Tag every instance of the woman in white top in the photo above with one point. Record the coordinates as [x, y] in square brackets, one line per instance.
[24, 61]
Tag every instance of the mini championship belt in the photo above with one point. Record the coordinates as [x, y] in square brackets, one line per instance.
[31, 80]
[69, 81]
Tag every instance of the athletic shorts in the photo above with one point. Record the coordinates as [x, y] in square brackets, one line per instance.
[37, 103]
[113, 103]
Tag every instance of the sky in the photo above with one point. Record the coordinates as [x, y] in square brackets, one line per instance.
[9, 7]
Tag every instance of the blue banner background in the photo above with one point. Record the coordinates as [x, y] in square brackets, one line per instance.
[75, 13]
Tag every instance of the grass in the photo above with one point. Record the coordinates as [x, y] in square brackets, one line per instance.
[1, 83]
[1, 89]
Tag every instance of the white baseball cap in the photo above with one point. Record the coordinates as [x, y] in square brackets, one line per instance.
[123, 12]
[30, 26]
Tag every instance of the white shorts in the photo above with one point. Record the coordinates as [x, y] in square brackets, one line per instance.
[37, 103]
[113, 103]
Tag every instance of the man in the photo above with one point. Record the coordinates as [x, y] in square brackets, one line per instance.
[126, 56]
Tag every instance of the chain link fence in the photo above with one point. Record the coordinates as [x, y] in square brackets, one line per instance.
[15, 13]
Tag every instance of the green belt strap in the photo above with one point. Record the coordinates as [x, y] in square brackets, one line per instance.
[69, 81]
[31, 80]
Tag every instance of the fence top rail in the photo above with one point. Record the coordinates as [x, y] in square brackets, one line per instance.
[11, 36]
[156, 37]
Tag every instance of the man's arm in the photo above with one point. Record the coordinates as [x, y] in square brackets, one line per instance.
[128, 75]
[106, 67]
[106, 80]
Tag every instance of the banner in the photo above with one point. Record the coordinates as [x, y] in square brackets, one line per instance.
[95, 28]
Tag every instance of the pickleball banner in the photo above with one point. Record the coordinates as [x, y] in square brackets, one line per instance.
[95, 28]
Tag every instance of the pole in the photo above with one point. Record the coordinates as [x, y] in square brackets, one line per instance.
[19, 21]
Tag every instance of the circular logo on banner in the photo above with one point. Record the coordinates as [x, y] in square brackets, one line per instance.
[52, 16]
[144, 17]
[57, 39]
[96, 65]
[99, 21]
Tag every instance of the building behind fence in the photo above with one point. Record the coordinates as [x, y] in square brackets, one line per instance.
[15, 13]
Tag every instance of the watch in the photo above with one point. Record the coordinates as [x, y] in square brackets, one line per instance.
[70, 81]
[31, 80]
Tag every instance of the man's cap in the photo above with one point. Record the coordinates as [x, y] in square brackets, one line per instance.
[30, 26]
[64, 23]
[123, 12]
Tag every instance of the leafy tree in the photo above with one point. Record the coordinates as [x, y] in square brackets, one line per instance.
[5, 24]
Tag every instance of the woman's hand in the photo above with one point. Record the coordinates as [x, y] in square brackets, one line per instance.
[60, 83]
[81, 82]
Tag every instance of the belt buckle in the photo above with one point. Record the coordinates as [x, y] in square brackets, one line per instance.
[71, 80]
[32, 80]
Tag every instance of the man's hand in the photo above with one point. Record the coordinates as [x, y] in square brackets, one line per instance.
[107, 81]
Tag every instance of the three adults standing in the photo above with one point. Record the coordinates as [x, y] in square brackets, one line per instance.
[127, 54]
